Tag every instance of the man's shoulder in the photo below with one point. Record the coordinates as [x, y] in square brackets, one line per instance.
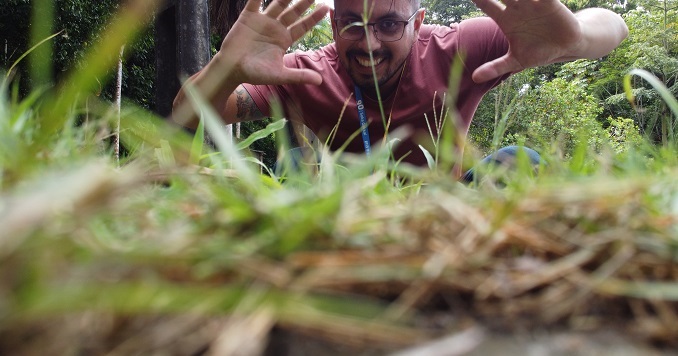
[322, 57]
[427, 31]
[435, 40]
[473, 24]
[474, 34]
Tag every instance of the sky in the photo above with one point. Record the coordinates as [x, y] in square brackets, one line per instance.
[328, 2]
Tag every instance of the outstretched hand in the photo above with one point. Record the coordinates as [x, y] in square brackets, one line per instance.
[254, 47]
[539, 32]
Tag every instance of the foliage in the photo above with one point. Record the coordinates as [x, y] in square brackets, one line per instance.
[496, 108]
[558, 109]
[624, 134]
[650, 46]
[81, 23]
[654, 49]
[614, 5]
[320, 35]
[445, 12]
[266, 147]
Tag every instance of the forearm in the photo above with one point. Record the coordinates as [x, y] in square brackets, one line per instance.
[214, 82]
[602, 31]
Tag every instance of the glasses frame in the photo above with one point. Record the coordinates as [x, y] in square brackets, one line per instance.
[374, 28]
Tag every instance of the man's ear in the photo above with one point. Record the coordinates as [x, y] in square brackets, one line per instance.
[419, 20]
[334, 24]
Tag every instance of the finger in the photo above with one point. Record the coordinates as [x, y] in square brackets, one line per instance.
[492, 8]
[276, 8]
[293, 13]
[253, 5]
[306, 24]
[495, 69]
[300, 76]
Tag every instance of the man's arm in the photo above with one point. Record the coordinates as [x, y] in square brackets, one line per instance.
[602, 32]
[541, 32]
[241, 107]
[252, 52]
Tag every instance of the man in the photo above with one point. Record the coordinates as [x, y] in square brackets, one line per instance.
[332, 88]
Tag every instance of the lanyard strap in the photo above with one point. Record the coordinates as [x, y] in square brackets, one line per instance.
[363, 120]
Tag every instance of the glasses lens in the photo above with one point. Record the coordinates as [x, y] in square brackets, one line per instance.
[389, 30]
[386, 30]
[350, 30]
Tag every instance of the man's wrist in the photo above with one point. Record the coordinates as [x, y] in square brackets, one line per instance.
[224, 68]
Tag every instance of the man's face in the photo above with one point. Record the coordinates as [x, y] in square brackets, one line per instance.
[389, 57]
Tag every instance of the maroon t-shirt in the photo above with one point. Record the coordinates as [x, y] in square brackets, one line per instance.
[419, 96]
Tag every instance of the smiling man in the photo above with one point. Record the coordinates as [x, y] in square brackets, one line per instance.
[333, 88]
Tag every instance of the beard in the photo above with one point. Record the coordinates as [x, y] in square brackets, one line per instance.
[385, 65]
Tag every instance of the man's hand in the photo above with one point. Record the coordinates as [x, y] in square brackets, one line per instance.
[252, 52]
[253, 49]
[542, 32]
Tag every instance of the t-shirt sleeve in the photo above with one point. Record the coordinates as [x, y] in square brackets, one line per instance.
[480, 41]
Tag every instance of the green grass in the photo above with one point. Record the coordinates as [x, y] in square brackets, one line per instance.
[358, 250]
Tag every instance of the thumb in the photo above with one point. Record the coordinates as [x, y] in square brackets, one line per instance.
[496, 68]
[300, 76]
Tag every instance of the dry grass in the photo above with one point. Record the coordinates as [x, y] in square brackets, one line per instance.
[121, 265]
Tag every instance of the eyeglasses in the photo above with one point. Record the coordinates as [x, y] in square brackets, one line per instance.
[384, 30]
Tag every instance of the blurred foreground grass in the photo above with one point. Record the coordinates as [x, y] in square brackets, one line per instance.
[160, 253]
[178, 250]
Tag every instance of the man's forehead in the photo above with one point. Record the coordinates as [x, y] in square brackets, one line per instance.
[379, 6]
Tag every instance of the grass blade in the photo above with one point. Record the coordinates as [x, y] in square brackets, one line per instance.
[30, 50]
[661, 88]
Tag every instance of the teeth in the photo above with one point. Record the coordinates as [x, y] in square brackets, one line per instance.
[367, 63]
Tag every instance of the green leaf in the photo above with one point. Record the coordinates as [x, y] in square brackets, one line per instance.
[268, 130]
[29, 52]
[224, 143]
[657, 84]
[198, 142]
[165, 155]
[429, 158]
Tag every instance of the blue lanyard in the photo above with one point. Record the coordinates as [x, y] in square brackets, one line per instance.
[363, 120]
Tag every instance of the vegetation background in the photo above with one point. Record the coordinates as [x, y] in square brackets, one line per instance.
[535, 106]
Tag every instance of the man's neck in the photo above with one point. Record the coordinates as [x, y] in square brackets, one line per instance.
[385, 92]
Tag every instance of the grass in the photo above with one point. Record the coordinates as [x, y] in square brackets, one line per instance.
[180, 249]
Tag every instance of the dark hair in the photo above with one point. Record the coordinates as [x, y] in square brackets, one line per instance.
[224, 13]
[416, 3]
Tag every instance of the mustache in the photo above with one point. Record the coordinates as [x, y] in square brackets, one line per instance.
[377, 53]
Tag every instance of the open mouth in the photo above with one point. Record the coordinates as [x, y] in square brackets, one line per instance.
[365, 62]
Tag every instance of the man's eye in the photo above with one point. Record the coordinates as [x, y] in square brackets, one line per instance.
[388, 25]
[348, 22]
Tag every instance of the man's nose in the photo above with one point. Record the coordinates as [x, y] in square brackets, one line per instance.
[370, 36]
